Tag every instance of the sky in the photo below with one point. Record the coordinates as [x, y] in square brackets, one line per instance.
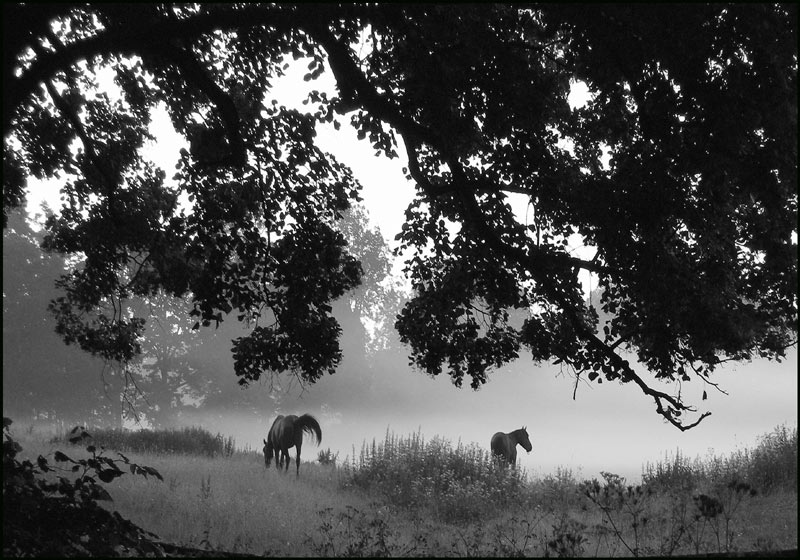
[609, 427]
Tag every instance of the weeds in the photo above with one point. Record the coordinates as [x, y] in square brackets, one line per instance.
[460, 483]
[327, 457]
[637, 518]
[516, 537]
[352, 534]
[620, 503]
[670, 520]
[469, 542]
[717, 512]
[772, 464]
[205, 487]
[567, 538]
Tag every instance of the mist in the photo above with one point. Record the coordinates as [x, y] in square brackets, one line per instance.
[605, 427]
[609, 427]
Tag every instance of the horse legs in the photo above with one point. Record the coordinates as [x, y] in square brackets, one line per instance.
[512, 456]
[297, 459]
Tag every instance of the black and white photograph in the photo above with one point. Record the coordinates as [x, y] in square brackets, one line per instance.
[400, 280]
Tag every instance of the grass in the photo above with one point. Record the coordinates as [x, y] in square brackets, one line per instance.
[408, 496]
[772, 463]
[229, 504]
[223, 503]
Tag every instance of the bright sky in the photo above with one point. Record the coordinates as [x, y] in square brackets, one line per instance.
[386, 192]
[609, 427]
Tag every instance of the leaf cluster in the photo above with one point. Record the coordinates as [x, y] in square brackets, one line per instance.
[25, 480]
[678, 176]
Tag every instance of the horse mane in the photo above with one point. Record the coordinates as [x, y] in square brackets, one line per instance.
[309, 425]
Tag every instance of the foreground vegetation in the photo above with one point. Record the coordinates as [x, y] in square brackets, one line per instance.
[406, 496]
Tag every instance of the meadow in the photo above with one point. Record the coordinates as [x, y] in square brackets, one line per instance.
[412, 496]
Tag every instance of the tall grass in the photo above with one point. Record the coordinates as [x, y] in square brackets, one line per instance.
[773, 463]
[407, 496]
[189, 441]
[458, 483]
[770, 465]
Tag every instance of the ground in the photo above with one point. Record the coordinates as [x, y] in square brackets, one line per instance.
[59, 527]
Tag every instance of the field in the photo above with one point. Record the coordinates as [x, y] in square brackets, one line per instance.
[407, 496]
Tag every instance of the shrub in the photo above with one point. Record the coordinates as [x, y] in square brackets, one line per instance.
[46, 513]
[190, 441]
[771, 465]
[353, 534]
[327, 457]
[677, 471]
[455, 483]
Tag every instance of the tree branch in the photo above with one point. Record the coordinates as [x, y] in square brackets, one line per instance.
[705, 378]
[355, 88]
[675, 405]
[140, 36]
[72, 117]
[194, 73]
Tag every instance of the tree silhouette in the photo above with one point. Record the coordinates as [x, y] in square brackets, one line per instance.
[690, 225]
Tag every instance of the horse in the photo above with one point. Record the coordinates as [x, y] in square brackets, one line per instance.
[504, 446]
[287, 432]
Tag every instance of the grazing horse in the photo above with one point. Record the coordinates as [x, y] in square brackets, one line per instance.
[287, 432]
[504, 446]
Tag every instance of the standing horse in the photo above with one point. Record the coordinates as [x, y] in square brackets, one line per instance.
[287, 432]
[504, 446]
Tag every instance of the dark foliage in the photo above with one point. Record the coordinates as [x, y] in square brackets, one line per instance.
[690, 219]
[61, 517]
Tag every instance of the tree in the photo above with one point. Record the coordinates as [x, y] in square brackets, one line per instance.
[690, 224]
[43, 378]
[164, 379]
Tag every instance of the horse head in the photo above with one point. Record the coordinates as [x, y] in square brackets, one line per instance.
[524, 439]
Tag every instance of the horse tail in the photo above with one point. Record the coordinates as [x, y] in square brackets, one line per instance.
[309, 425]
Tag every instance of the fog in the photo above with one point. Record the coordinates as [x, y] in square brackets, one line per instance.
[608, 427]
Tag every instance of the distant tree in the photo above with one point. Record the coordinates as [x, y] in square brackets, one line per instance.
[378, 298]
[164, 382]
[42, 378]
[691, 223]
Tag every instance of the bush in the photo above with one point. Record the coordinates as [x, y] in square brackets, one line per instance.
[47, 513]
[771, 465]
[190, 441]
[677, 471]
[327, 457]
[455, 483]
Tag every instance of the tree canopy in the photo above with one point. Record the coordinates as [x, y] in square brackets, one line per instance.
[679, 175]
